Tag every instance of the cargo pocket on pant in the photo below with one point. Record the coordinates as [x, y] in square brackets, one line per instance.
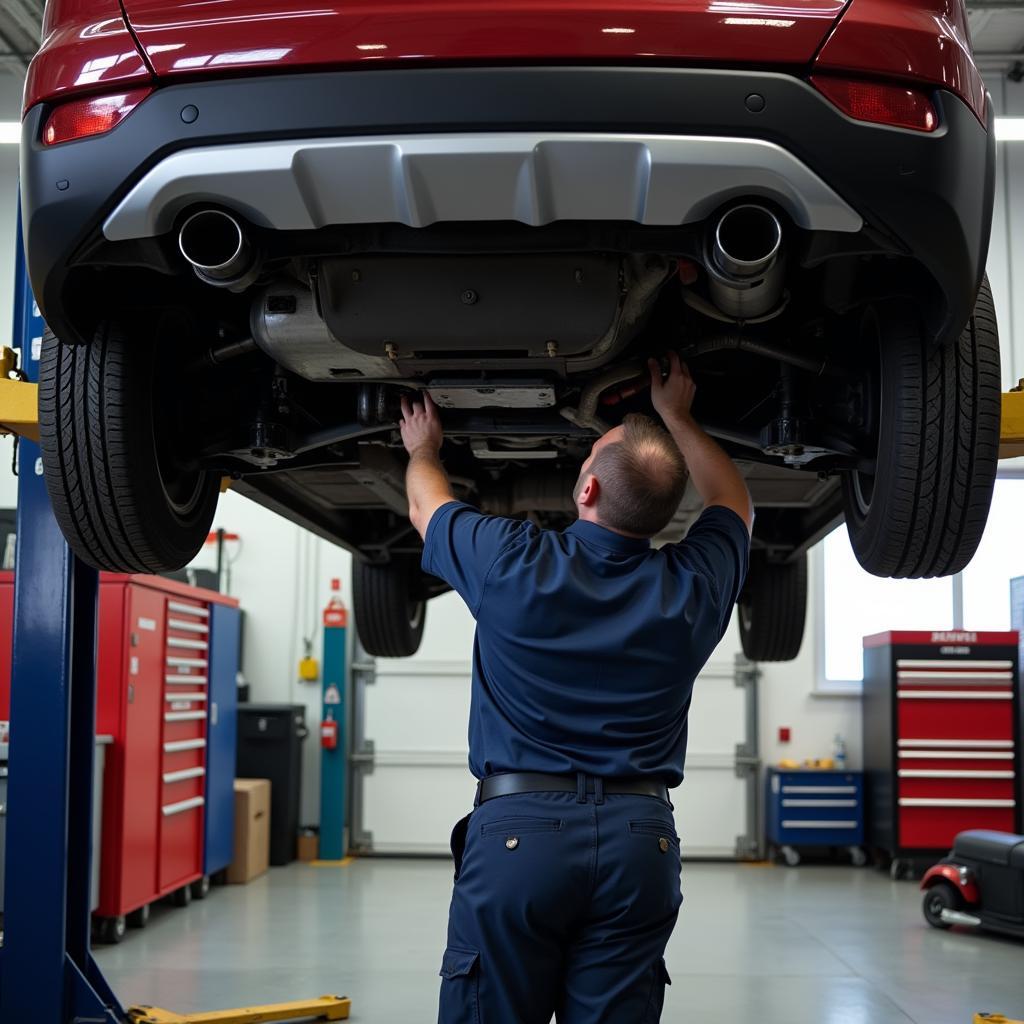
[657, 998]
[460, 987]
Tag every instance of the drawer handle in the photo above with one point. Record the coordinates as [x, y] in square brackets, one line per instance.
[953, 695]
[927, 773]
[173, 661]
[189, 609]
[186, 680]
[173, 746]
[997, 678]
[819, 790]
[819, 803]
[795, 824]
[955, 755]
[937, 801]
[974, 744]
[181, 806]
[187, 642]
[952, 666]
[173, 698]
[188, 627]
[184, 716]
[183, 774]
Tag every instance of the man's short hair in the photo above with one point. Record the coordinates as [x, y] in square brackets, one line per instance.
[641, 479]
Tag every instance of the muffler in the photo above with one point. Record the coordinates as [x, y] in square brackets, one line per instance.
[744, 264]
[219, 250]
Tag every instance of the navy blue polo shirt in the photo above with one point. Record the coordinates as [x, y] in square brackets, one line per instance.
[587, 642]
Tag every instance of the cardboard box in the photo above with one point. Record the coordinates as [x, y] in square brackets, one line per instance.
[252, 830]
[309, 845]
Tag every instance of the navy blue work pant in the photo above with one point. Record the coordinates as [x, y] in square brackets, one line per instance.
[561, 907]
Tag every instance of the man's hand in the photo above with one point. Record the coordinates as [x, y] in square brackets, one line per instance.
[421, 425]
[673, 395]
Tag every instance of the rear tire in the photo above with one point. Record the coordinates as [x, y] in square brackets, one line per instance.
[923, 511]
[772, 609]
[390, 612]
[120, 497]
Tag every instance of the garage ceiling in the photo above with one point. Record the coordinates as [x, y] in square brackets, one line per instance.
[997, 27]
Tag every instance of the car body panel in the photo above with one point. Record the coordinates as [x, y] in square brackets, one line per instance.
[211, 37]
[86, 48]
[951, 873]
[924, 40]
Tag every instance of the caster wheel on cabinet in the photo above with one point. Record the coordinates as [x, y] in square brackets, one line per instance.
[790, 856]
[858, 857]
[200, 888]
[110, 930]
[139, 918]
[182, 897]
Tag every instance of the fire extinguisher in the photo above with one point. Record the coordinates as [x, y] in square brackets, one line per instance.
[329, 734]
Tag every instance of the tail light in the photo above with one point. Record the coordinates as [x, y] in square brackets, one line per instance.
[879, 102]
[94, 115]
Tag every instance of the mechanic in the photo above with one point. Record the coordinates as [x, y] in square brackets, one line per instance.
[567, 872]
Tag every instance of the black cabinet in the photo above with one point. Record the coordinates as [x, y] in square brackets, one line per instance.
[270, 747]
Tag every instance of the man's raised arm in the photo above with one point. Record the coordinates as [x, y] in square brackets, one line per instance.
[714, 474]
[426, 482]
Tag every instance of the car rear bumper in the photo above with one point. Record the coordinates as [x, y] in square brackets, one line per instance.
[928, 197]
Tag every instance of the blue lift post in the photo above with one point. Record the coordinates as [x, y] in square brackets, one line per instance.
[47, 972]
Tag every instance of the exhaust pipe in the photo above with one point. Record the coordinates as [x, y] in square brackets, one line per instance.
[218, 249]
[745, 267]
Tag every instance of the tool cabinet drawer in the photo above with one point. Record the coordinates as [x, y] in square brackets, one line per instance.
[815, 808]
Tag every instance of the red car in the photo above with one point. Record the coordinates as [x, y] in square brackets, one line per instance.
[251, 225]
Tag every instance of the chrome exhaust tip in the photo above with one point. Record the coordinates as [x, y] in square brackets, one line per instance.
[747, 241]
[744, 262]
[217, 248]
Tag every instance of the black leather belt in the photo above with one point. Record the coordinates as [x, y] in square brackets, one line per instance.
[511, 783]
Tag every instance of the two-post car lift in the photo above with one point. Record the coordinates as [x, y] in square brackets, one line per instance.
[47, 972]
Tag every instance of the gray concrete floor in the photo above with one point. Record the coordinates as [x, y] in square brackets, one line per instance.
[755, 944]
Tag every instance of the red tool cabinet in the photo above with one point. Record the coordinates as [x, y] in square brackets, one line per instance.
[942, 722]
[152, 698]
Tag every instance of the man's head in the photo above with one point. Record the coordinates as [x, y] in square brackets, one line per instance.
[633, 480]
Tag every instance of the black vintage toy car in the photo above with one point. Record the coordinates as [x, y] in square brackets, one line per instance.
[980, 884]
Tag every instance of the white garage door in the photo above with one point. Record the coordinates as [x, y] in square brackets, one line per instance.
[411, 782]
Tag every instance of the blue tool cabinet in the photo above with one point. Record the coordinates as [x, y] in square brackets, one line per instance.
[813, 808]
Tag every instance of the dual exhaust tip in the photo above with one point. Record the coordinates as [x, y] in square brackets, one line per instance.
[219, 250]
[743, 260]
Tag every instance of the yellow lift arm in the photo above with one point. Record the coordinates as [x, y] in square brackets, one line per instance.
[324, 1008]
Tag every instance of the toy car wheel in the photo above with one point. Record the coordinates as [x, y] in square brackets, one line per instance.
[124, 496]
[772, 608]
[390, 611]
[941, 896]
[922, 510]
[139, 918]
[200, 888]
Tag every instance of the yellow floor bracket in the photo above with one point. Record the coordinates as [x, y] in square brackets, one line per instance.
[324, 1008]
[994, 1018]
[1011, 433]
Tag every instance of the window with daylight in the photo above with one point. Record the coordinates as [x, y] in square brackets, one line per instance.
[853, 604]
